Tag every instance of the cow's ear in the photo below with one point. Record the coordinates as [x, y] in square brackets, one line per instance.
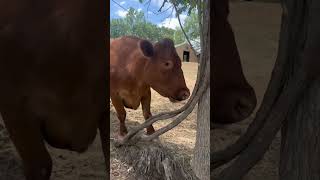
[146, 48]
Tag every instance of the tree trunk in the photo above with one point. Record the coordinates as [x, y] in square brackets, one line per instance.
[201, 158]
[300, 151]
[300, 145]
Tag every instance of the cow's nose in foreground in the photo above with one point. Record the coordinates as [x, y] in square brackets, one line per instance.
[184, 94]
[244, 107]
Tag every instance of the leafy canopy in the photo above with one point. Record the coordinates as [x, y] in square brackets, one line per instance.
[135, 24]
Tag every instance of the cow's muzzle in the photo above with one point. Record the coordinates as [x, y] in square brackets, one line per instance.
[182, 95]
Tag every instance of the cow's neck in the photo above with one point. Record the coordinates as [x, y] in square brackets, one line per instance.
[136, 70]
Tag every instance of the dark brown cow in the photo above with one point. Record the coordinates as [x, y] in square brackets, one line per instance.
[233, 97]
[53, 77]
[135, 66]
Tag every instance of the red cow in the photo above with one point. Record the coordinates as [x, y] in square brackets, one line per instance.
[135, 66]
[52, 77]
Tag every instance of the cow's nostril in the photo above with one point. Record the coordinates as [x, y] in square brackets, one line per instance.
[244, 107]
[184, 94]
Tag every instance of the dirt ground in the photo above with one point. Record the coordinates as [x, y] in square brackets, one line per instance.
[256, 26]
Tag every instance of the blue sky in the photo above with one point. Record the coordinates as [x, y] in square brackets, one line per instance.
[166, 19]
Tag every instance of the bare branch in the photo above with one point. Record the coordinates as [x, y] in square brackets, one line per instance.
[182, 116]
[164, 2]
[260, 143]
[149, 2]
[185, 34]
[200, 8]
[120, 5]
[162, 11]
[165, 10]
[170, 14]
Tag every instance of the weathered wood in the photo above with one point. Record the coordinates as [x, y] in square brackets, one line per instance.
[152, 161]
[201, 156]
[300, 143]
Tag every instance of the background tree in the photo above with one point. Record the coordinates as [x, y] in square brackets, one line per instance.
[178, 36]
[191, 25]
[191, 28]
[118, 28]
[135, 23]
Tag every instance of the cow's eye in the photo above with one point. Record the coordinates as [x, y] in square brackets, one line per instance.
[168, 64]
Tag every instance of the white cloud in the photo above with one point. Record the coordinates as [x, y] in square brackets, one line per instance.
[149, 12]
[172, 23]
[139, 9]
[121, 13]
[122, 3]
[159, 3]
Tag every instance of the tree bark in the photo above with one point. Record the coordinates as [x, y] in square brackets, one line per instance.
[300, 145]
[152, 161]
[300, 148]
[201, 158]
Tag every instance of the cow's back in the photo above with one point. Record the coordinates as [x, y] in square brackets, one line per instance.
[125, 50]
[126, 64]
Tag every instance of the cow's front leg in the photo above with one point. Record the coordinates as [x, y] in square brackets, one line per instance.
[145, 102]
[26, 136]
[121, 113]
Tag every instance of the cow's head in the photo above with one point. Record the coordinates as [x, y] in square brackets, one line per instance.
[163, 69]
[233, 104]
[234, 99]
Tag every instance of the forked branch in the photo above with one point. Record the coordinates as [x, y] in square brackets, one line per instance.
[272, 93]
[260, 143]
